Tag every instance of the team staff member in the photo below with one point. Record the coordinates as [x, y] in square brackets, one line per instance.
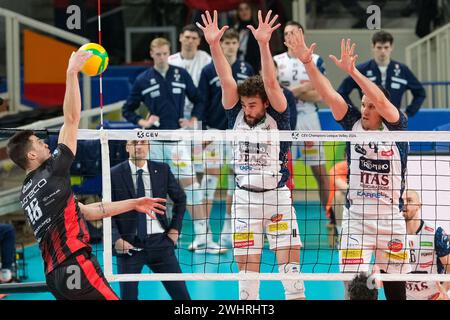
[190, 58]
[392, 75]
[139, 177]
[50, 206]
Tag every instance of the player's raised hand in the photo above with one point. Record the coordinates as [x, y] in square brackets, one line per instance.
[265, 27]
[348, 58]
[150, 205]
[77, 60]
[210, 28]
[296, 42]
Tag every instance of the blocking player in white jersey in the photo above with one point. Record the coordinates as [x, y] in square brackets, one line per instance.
[190, 58]
[429, 251]
[372, 222]
[292, 75]
[262, 203]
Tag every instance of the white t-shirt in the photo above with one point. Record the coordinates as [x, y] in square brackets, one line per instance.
[291, 71]
[383, 70]
[194, 68]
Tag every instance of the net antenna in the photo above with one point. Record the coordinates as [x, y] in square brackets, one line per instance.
[101, 74]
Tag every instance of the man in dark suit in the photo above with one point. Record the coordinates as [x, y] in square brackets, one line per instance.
[141, 241]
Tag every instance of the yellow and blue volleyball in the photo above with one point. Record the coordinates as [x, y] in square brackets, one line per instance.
[98, 62]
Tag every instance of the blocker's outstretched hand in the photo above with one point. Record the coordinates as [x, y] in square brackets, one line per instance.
[265, 27]
[210, 28]
[348, 58]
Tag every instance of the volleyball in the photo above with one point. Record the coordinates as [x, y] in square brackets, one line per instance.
[98, 62]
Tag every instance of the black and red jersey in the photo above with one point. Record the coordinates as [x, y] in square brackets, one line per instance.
[52, 209]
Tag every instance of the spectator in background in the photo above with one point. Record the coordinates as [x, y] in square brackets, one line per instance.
[336, 200]
[248, 47]
[392, 75]
[140, 241]
[8, 251]
[360, 288]
[190, 58]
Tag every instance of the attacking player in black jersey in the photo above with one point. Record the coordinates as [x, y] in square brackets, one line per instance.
[57, 219]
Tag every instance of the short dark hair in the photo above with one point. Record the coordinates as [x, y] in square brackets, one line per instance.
[358, 288]
[230, 34]
[382, 36]
[192, 28]
[18, 146]
[253, 86]
[294, 23]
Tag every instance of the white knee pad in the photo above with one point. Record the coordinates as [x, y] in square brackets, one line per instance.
[248, 289]
[231, 184]
[293, 289]
[194, 194]
[209, 185]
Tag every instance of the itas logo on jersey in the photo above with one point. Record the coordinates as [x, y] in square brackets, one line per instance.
[379, 166]
[395, 245]
[369, 180]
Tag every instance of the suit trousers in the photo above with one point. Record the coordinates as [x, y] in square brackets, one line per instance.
[159, 255]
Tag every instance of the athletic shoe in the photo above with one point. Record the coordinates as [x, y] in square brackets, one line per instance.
[210, 247]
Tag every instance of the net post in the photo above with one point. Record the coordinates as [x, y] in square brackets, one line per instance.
[106, 197]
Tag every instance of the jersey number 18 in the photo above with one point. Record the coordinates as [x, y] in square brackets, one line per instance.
[33, 211]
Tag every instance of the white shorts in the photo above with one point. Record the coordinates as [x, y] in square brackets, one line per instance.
[361, 237]
[177, 155]
[312, 152]
[257, 213]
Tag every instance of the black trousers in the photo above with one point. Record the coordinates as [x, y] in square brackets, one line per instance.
[80, 277]
[159, 256]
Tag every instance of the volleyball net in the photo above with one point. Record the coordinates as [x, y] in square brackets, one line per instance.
[232, 178]
[252, 215]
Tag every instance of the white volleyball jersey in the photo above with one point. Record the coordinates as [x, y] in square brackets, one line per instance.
[291, 71]
[376, 170]
[257, 165]
[194, 68]
[424, 259]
